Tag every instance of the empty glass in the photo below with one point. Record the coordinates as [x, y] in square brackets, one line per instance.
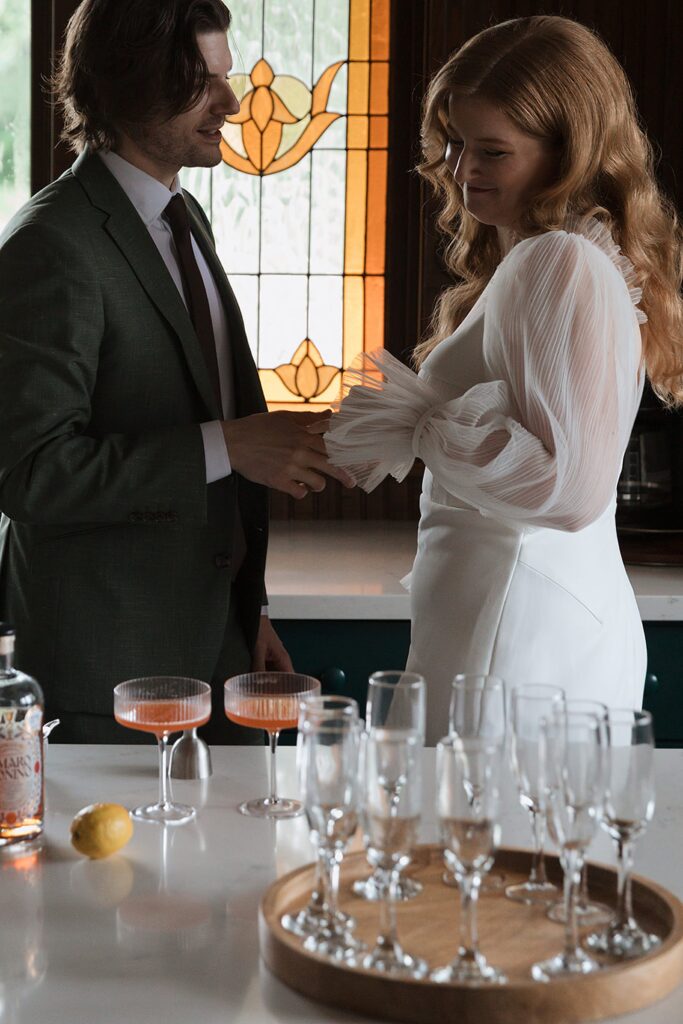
[477, 710]
[573, 764]
[397, 701]
[313, 917]
[269, 701]
[588, 911]
[629, 807]
[467, 805]
[392, 796]
[163, 705]
[328, 769]
[529, 705]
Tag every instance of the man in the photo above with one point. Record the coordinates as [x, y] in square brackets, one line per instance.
[135, 446]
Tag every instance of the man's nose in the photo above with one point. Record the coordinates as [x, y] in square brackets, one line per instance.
[227, 103]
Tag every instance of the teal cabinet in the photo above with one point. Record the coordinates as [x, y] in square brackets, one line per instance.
[664, 682]
[343, 653]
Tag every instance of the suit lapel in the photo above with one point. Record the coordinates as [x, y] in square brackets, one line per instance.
[130, 235]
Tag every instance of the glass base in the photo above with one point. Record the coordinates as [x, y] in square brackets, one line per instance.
[265, 807]
[395, 963]
[490, 884]
[373, 889]
[338, 946]
[533, 893]
[557, 966]
[469, 972]
[623, 943]
[311, 921]
[165, 814]
[586, 913]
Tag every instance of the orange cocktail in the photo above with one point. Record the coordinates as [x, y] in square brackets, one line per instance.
[161, 705]
[270, 701]
[269, 713]
[160, 716]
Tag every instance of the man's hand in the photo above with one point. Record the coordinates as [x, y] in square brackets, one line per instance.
[269, 652]
[277, 449]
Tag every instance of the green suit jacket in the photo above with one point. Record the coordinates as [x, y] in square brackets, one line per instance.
[117, 556]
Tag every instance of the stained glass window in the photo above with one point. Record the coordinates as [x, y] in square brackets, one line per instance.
[15, 105]
[298, 205]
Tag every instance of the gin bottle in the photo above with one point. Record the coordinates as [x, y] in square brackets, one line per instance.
[21, 749]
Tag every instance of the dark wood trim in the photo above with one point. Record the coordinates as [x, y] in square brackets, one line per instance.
[49, 156]
[404, 187]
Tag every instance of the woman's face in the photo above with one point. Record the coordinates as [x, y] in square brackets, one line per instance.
[499, 168]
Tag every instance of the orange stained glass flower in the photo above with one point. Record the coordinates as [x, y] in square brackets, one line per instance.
[306, 376]
[264, 115]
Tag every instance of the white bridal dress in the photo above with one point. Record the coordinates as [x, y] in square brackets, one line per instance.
[521, 418]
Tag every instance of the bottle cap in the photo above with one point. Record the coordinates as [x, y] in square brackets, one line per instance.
[7, 634]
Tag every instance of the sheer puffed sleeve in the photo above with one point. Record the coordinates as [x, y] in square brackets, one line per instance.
[542, 441]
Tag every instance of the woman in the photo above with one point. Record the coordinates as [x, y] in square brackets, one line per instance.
[569, 263]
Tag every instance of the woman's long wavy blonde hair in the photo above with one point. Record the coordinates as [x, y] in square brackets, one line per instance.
[556, 80]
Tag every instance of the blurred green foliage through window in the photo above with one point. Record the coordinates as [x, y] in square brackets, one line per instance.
[15, 106]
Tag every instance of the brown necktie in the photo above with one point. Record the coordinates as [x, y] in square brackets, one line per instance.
[195, 292]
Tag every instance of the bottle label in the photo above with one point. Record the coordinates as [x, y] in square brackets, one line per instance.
[21, 765]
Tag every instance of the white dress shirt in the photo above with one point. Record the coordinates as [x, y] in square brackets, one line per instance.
[150, 198]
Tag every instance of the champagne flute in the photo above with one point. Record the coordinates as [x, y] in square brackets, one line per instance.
[311, 919]
[270, 701]
[573, 765]
[391, 817]
[328, 769]
[477, 710]
[529, 706]
[588, 911]
[629, 807]
[396, 700]
[467, 804]
[163, 705]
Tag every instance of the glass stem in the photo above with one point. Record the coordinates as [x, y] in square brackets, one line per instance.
[572, 862]
[583, 891]
[331, 867]
[537, 875]
[387, 940]
[624, 901]
[163, 770]
[317, 901]
[272, 739]
[469, 939]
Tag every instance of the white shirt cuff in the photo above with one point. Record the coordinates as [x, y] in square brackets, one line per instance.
[215, 451]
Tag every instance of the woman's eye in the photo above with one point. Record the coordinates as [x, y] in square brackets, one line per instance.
[494, 152]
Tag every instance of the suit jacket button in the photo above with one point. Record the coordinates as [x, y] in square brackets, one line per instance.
[221, 561]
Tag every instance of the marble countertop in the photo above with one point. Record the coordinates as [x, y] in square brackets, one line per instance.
[353, 570]
[166, 930]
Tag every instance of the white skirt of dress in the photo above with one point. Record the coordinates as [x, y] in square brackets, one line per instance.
[528, 605]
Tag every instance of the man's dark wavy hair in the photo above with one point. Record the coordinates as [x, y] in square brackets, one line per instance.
[131, 62]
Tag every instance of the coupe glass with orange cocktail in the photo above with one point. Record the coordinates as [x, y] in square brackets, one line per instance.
[270, 701]
[163, 705]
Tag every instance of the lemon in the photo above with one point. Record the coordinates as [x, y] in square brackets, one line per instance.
[101, 829]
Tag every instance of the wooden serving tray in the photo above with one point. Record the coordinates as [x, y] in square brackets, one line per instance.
[512, 937]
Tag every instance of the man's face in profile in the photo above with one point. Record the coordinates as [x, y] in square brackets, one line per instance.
[192, 139]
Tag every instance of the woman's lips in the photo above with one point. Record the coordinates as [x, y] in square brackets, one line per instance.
[473, 188]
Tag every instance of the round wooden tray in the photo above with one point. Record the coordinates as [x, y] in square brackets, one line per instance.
[512, 937]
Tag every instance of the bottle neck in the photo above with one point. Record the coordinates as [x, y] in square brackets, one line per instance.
[6, 656]
[6, 669]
